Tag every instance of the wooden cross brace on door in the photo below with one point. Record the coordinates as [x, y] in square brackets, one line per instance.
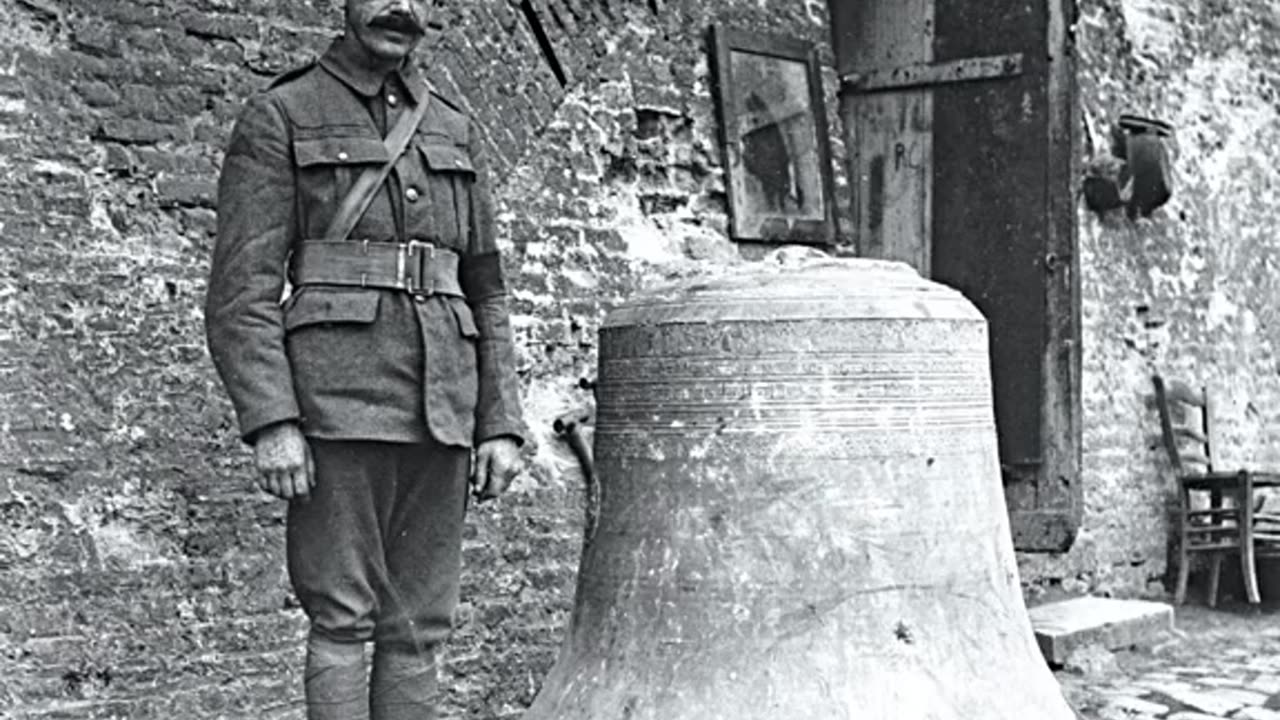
[888, 113]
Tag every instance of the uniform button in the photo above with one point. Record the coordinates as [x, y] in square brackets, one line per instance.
[419, 298]
[391, 100]
[411, 194]
[343, 156]
[459, 163]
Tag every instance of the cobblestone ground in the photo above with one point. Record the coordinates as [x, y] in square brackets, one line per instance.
[1216, 664]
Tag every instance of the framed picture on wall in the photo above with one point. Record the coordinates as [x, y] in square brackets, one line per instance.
[773, 125]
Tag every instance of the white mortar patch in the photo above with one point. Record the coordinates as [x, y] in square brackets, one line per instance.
[1153, 26]
[1222, 311]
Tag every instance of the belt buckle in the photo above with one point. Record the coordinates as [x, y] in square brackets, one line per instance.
[417, 254]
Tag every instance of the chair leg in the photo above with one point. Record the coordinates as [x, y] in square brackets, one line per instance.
[1215, 574]
[1184, 557]
[1248, 564]
[1249, 569]
[1184, 573]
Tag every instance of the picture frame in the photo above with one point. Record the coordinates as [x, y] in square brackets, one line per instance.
[773, 135]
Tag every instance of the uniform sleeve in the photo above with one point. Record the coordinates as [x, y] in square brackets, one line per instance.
[498, 411]
[243, 319]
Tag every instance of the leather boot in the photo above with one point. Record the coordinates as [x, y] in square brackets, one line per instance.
[403, 685]
[337, 685]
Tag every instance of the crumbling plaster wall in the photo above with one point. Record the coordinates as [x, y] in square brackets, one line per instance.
[142, 573]
[1190, 292]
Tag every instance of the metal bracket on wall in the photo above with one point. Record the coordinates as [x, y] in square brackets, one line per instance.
[924, 74]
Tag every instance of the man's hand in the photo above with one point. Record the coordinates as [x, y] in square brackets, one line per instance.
[497, 462]
[284, 462]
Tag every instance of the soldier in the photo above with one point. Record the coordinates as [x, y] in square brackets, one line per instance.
[354, 185]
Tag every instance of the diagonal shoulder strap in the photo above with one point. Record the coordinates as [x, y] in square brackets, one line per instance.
[354, 205]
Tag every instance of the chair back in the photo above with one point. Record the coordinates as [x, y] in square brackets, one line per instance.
[1186, 425]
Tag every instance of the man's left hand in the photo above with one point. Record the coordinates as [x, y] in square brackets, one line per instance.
[498, 461]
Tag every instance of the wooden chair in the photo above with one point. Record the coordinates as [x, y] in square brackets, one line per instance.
[1229, 519]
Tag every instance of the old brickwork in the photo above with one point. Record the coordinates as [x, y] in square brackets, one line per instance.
[1192, 291]
[142, 575]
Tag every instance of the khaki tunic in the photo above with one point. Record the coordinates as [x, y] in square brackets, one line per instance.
[352, 363]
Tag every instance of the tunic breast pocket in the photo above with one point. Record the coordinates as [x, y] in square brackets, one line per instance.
[327, 166]
[450, 173]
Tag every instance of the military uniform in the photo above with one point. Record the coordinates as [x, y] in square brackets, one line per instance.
[393, 350]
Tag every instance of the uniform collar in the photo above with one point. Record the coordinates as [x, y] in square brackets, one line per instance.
[347, 62]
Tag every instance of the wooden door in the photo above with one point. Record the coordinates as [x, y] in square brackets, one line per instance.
[958, 114]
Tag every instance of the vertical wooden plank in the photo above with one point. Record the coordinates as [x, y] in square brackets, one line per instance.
[890, 133]
[1003, 236]
[1061, 492]
[991, 214]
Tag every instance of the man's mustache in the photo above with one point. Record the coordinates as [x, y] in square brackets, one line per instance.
[400, 22]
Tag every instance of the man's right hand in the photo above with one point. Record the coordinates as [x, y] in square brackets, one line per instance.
[284, 462]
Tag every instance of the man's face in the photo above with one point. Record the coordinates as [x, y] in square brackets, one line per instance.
[388, 29]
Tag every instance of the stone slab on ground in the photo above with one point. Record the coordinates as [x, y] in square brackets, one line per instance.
[1063, 626]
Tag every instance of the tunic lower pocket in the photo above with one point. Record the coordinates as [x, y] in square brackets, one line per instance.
[325, 306]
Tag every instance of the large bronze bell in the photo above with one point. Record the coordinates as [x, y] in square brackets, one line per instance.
[801, 511]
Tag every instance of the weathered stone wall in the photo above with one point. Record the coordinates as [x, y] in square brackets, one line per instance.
[1190, 292]
[141, 575]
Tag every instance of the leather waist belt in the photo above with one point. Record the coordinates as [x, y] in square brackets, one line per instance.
[415, 267]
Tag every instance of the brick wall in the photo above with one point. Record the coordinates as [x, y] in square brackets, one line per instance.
[142, 573]
[1192, 291]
